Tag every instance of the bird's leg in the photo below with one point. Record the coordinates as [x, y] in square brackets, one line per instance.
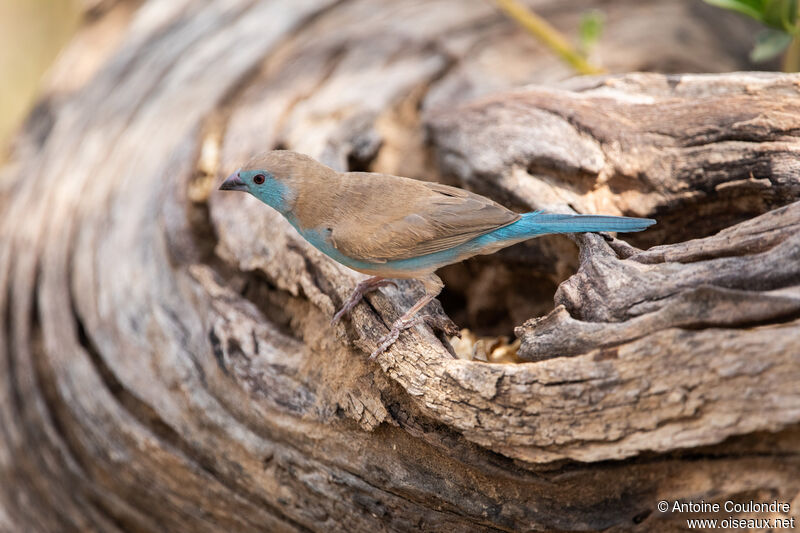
[433, 286]
[361, 289]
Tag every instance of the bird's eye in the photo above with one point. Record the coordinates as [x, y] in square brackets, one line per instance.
[258, 179]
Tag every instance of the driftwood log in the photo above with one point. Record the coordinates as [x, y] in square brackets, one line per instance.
[166, 362]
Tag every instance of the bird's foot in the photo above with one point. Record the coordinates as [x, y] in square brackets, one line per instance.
[361, 289]
[399, 325]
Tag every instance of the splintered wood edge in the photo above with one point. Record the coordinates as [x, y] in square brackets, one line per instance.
[133, 358]
[655, 391]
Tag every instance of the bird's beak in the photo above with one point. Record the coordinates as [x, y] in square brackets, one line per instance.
[233, 183]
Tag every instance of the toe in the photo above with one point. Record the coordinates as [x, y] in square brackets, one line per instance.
[339, 314]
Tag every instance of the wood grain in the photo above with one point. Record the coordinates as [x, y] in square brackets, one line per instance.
[167, 359]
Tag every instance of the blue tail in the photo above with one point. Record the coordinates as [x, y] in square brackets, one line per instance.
[538, 223]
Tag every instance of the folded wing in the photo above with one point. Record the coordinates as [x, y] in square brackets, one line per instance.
[400, 218]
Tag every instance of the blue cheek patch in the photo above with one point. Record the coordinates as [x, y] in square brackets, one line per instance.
[272, 192]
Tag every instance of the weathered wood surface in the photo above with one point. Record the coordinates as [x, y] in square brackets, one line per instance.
[167, 363]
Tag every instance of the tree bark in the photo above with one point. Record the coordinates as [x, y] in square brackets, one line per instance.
[167, 358]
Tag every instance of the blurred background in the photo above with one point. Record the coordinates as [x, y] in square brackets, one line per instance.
[542, 42]
[31, 34]
[130, 395]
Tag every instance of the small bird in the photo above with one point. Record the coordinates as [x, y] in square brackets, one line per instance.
[394, 227]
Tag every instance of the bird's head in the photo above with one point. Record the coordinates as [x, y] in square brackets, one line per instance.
[275, 178]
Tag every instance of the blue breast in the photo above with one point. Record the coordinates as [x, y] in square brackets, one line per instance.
[427, 262]
[529, 225]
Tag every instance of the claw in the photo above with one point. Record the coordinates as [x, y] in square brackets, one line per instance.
[400, 324]
[346, 308]
[433, 285]
[361, 289]
[386, 341]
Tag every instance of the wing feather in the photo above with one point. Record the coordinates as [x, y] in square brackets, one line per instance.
[400, 218]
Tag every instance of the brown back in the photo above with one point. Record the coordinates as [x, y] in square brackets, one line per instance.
[378, 218]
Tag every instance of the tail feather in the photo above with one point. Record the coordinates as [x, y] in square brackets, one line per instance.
[540, 223]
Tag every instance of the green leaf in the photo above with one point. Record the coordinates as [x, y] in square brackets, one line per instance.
[781, 14]
[591, 28]
[769, 43]
[751, 8]
[778, 14]
[790, 14]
